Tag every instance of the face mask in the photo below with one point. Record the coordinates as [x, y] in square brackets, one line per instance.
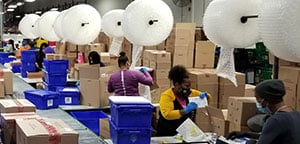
[262, 109]
[185, 92]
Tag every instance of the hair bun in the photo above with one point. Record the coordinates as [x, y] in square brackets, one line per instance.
[122, 53]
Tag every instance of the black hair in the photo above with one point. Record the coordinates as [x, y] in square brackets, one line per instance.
[123, 59]
[177, 74]
[12, 42]
[94, 57]
[31, 44]
[43, 45]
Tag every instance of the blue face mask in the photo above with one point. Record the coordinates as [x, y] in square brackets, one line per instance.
[260, 107]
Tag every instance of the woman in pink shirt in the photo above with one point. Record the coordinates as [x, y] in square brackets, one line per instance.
[125, 82]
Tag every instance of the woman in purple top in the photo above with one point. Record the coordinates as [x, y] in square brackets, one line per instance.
[125, 82]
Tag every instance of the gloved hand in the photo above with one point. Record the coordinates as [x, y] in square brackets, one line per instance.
[143, 70]
[203, 95]
[235, 134]
[191, 106]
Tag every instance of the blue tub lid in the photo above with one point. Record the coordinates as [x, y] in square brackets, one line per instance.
[41, 92]
[67, 89]
[129, 100]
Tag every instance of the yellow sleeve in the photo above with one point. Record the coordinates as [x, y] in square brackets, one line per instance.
[166, 106]
[195, 93]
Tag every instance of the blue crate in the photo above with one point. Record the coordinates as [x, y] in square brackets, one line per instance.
[55, 79]
[51, 87]
[23, 72]
[56, 66]
[28, 66]
[28, 56]
[4, 54]
[7, 60]
[16, 68]
[68, 95]
[127, 115]
[42, 99]
[89, 118]
[129, 135]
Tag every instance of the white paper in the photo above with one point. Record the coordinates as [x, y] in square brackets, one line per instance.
[200, 102]
[190, 131]
[129, 99]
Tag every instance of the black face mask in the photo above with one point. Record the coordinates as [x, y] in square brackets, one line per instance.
[185, 92]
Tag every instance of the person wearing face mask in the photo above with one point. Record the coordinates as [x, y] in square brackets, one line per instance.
[125, 82]
[25, 46]
[282, 127]
[174, 104]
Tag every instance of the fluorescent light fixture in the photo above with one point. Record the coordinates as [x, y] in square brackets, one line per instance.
[12, 6]
[54, 9]
[20, 3]
[18, 16]
[10, 10]
[29, 0]
[38, 12]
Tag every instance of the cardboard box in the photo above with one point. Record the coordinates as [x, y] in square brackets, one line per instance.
[16, 105]
[298, 98]
[201, 76]
[104, 128]
[105, 57]
[2, 88]
[155, 95]
[202, 120]
[8, 80]
[281, 61]
[45, 131]
[33, 75]
[205, 54]
[8, 121]
[72, 61]
[94, 92]
[98, 47]
[220, 124]
[240, 109]
[50, 56]
[61, 47]
[290, 97]
[237, 127]
[60, 57]
[249, 90]
[161, 73]
[289, 74]
[163, 81]
[160, 56]
[154, 65]
[95, 71]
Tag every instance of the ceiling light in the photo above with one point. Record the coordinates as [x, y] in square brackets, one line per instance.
[54, 9]
[29, 0]
[18, 16]
[38, 12]
[10, 10]
[20, 3]
[12, 6]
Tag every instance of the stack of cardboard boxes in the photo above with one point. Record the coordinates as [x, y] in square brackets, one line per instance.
[93, 84]
[6, 82]
[181, 44]
[204, 54]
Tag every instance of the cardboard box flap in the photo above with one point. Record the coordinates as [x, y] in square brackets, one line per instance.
[11, 116]
[215, 112]
[41, 127]
[19, 104]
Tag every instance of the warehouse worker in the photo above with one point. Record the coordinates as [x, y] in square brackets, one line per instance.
[25, 46]
[283, 126]
[94, 58]
[174, 104]
[125, 82]
[40, 57]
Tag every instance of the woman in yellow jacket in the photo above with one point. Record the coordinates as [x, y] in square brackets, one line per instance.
[175, 107]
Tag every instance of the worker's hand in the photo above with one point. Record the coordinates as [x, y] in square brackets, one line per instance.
[203, 95]
[190, 107]
[235, 134]
[143, 70]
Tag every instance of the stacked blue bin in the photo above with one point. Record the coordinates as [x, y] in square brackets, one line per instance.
[28, 58]
[68, 95]
[43, 99]
[55, 73]
[130, 120]
[4, 58]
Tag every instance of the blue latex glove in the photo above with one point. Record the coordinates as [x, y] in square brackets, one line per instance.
[143, 70]
[78, 83]
[191, 106]
[203, 95]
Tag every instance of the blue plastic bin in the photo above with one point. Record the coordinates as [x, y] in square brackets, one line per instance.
[42, 99]
[4, 54]
[56, 66]
[7, 60]
[16, 68]
[28, 66]
[89, 118]
[129, 135]
[128, 115]
[28, 55]
[23, 72]
[55, 79]
[68, 95]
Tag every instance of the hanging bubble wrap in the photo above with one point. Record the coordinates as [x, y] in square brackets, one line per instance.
[81, 24]
[278, 25]
[27, 25]
[112, 26]
[45, 25]
[58, 24]
[146, 23]
[231, 24]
